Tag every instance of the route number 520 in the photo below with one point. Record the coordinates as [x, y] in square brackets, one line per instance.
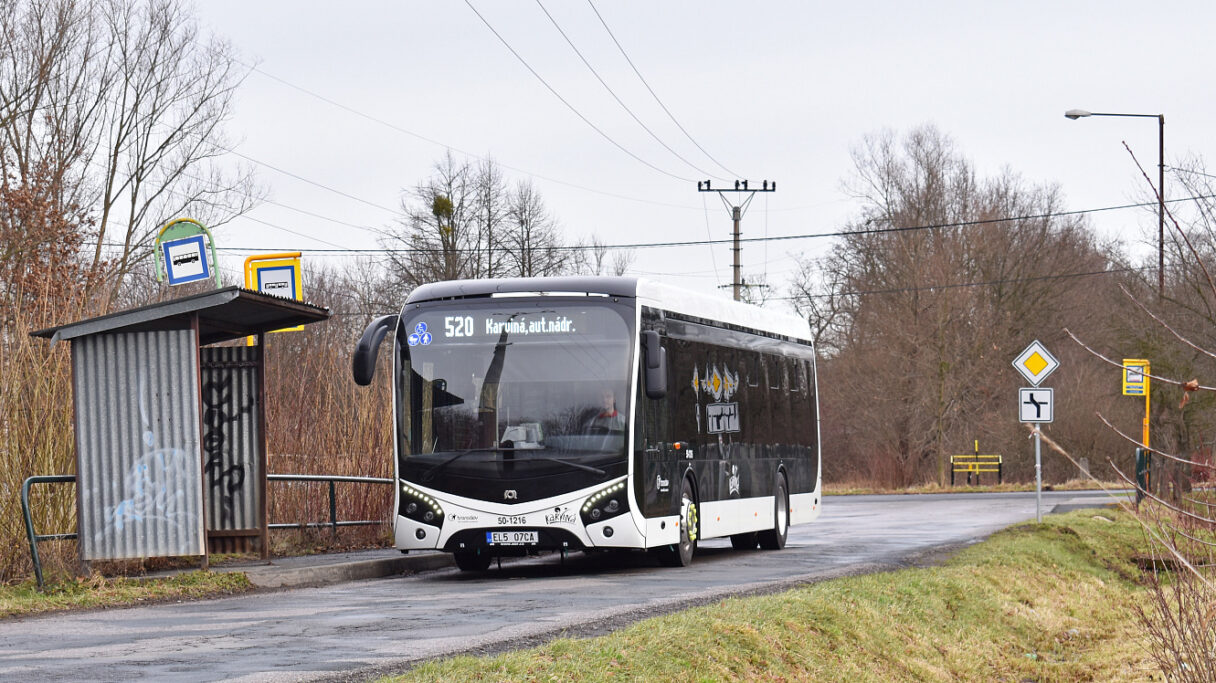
[458, 326]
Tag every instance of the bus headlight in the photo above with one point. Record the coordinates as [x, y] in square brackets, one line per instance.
[606, 504]
[420, 507]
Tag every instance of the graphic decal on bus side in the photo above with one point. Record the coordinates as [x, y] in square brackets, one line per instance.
[721, 384]
[722, 418]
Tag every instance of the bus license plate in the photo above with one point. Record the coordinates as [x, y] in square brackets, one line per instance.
[511, 537]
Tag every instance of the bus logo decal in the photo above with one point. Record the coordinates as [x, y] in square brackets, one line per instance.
[510, 494]
[560, 516]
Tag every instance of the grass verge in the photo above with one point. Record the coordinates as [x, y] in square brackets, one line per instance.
[1037, 602]
[97, 591]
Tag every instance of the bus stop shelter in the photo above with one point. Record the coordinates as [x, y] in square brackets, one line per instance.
[170, 429]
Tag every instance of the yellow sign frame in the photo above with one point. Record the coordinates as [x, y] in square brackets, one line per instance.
[1135, 377]
[256, 265]
[1138, 368]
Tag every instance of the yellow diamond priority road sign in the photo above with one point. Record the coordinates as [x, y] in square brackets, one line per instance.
[1035, 363]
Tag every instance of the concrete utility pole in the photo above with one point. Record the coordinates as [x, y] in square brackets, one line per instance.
[736, 214]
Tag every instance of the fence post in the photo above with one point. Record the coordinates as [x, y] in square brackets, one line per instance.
[29, 529]
[29, 518]
[333, 509]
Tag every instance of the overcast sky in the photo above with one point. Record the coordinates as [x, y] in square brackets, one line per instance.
[774, 90]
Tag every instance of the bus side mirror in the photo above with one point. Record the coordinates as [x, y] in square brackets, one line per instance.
[656, 365]
[363, 365]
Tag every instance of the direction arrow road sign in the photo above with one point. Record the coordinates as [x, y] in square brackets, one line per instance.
[1036, 405]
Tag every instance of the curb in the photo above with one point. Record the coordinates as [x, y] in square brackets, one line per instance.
[271, 576]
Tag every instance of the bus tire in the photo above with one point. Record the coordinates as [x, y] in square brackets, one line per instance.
[472, 561]
[774, 539]
[680, 554]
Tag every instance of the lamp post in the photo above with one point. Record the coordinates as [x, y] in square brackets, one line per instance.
[1075, 114]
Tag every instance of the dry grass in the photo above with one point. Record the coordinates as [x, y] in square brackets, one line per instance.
[854, 488]
[1041, 602]
[35, 438]
[97, 591]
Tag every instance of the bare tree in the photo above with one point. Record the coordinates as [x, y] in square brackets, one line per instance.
[821, 303]
[120, 104]
[533, 240]
[493, 205]
[937, 286]
[596, 257]
[463, 222]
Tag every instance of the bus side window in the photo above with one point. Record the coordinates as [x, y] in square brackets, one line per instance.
[681, 396]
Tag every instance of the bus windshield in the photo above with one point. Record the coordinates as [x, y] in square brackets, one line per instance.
[534, 392]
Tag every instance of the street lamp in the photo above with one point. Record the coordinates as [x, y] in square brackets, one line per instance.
[1075, 114]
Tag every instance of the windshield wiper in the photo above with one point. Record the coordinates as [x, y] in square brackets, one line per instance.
[429, 474]
[575, 465]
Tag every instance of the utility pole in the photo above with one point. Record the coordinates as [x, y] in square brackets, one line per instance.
[736, 215]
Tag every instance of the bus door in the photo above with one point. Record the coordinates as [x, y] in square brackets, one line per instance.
[658, 465]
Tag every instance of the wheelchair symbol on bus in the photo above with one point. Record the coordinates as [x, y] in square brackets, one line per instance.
[420, 336]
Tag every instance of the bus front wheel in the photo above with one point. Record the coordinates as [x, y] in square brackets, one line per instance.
[680, 554]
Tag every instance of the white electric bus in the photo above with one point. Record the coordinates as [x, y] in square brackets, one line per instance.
[580, 413]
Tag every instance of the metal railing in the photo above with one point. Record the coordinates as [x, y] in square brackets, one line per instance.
[29, 520]
[974, 464]
[333, 522]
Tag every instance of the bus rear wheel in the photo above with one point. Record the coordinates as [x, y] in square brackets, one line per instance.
[472, 561]
[680, 554]
[774, 539]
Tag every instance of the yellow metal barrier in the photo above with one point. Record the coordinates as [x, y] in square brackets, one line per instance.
[975, 463]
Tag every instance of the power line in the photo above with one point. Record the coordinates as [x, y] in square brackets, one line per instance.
[565, 102]
[618, 99]
[777, 238]
[306, 180]
[709, 233]
[438, 143]
[1190, 171]
[460, 151]
[655, 95]
[989, 283]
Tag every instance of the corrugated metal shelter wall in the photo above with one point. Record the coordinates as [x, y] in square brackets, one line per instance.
[139, 474]
[232, 446]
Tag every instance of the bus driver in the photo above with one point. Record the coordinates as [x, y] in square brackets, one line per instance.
[608, 419]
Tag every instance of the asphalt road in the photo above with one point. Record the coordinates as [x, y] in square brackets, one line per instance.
[355, 630]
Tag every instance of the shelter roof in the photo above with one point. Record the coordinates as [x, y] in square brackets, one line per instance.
[223, 315]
